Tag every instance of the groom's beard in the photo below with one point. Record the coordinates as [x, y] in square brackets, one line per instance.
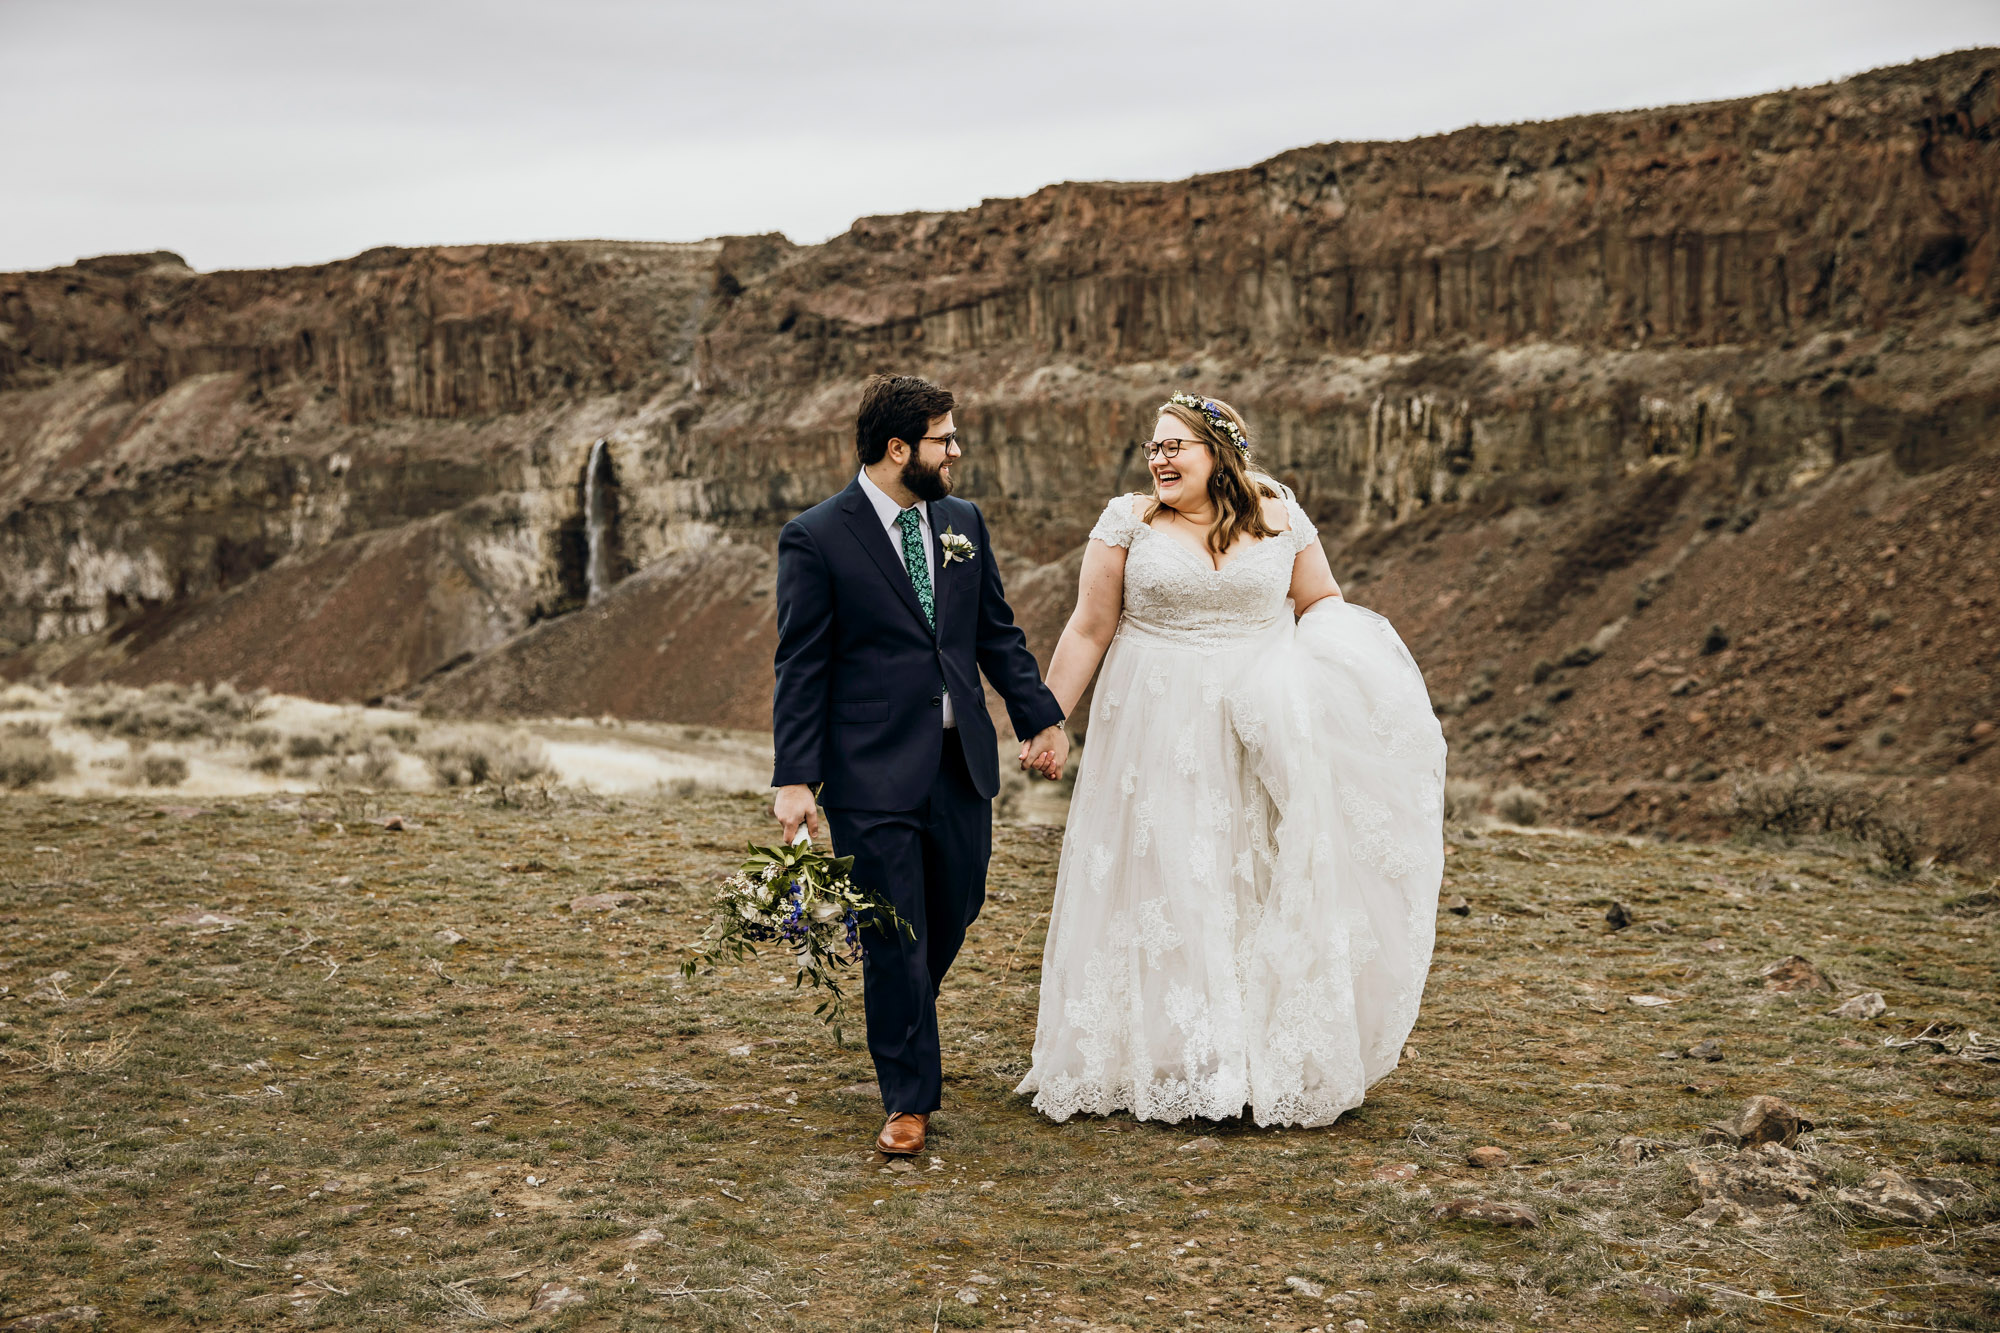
[926, 483]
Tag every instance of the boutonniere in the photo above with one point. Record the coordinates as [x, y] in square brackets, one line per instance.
[956, 546]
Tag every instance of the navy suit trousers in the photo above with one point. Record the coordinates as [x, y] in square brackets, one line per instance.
[931, 863]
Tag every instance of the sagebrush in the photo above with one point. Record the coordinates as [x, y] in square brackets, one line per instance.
[1802, 801]
[27, 758]
[475, 756]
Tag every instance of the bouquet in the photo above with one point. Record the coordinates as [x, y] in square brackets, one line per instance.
[796, 899]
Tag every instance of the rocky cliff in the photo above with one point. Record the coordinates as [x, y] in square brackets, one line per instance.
[1534, 382]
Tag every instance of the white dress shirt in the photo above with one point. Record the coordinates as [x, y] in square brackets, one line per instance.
[887, 510]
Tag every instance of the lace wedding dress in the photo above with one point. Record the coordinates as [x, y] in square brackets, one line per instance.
[1246, 904]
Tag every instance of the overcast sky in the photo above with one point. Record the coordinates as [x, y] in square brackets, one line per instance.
[247, 133]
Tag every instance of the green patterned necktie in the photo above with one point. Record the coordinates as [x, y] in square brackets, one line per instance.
[913, 560]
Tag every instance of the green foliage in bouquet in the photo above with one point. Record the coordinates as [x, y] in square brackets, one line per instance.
[803, 901]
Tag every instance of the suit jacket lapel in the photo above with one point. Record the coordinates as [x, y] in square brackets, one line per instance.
[874, 539]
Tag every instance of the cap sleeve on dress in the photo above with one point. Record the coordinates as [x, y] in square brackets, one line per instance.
[1117, 525]
[1302, 532]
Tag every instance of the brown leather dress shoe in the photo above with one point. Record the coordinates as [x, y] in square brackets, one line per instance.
[904, 1134]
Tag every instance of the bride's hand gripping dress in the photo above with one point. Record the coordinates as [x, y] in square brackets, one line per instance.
[1245, 909]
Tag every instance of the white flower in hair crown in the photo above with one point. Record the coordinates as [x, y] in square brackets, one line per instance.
[957, 546]
[1216, 418]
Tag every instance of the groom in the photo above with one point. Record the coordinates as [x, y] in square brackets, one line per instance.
[889, 607]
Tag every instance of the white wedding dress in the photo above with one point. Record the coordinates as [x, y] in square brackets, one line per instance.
[1247, 900]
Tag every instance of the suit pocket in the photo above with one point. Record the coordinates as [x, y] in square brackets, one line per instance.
[861, 710]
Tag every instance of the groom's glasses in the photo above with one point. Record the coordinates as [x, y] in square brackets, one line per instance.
[950, 442]
[1167, 449]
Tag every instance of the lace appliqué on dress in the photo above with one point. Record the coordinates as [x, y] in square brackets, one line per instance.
[1201, 860]
[1100, 867]
[1302, 533]
[1373, 844]
[1117, 525]
[1187, 1009]
[1156, 933]
[1095, 1011]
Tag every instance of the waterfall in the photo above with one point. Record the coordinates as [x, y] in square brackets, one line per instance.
[596, 523]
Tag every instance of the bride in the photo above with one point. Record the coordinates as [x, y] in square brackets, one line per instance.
[1246, 904]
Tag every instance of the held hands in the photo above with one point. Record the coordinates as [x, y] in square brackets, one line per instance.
[795, 806]
[1046, 753]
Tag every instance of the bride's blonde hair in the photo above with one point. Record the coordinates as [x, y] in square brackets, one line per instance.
[1237, 493]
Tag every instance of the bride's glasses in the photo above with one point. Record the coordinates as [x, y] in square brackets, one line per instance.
[1167, 449]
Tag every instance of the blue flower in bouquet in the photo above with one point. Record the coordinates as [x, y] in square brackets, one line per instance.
[792, 929]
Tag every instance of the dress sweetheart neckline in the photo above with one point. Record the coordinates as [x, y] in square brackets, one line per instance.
[1202, 562]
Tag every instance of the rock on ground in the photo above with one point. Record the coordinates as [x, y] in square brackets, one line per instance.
[1867, 1005]
[199, 919]
[68, 1315]
[1752, 1186]
[1633, 1150]
[1762, 1120]
[553, 1296]
[1891, 1196]
[1488, 1212]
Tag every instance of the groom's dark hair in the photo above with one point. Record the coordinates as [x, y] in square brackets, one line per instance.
[896, 407]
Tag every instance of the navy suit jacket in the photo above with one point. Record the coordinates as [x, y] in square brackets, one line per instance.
[861, 677]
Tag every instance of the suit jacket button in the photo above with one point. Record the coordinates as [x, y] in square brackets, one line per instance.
[934, 701]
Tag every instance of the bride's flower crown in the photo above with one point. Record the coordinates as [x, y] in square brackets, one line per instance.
[1217, 418]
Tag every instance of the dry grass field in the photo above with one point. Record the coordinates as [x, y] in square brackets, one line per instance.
[270, 1062]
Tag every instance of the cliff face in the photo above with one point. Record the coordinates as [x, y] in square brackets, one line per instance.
[467, 331]
[1413, 322]
[166, 436]
[1600, 330]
